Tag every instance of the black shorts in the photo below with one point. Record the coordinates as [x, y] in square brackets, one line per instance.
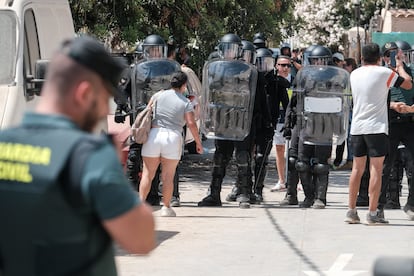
[373, 145]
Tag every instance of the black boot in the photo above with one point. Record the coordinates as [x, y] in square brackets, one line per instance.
[213, 198]
[321, 189]
[307, 202]
[289, 200]
[291, 197]
[393, 201]
[257, 197]
[321, 173]
[154, 195]
[308, 189]
[304, 170]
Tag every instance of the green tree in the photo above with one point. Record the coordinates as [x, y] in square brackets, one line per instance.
[199, 23]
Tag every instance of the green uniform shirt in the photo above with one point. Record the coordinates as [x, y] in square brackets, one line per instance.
[44, 232]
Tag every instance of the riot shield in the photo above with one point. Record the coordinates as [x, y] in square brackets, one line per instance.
[229, 87]
[324, 102]
[149, 77]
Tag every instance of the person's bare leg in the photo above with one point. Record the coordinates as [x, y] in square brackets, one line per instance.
[168, 167]
[281, 163]
[375, 181]
[150, 166]
[358, 168]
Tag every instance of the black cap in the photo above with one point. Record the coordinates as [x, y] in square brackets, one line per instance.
[92, 54]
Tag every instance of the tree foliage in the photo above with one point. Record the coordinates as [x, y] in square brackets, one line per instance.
[199, 23]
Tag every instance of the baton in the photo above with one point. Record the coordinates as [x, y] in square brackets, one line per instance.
[265, 155]
[287, 145]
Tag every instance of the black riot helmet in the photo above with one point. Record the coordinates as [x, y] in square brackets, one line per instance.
[259, 40]
[259, 43]
[248, 52]
[154, 47]
[230, 46]
[259, 35]
[285, 49]
[389, 46]
[264, 60]
[320, 55]
[306, 54]
[405, 47]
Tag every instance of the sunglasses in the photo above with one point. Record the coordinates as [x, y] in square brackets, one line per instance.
[284, 65]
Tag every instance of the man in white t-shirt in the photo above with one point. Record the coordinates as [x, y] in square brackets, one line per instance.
[369, 129]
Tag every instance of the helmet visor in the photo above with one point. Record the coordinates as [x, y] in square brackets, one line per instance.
[406, 55]
[229, 50]
[318, 60]
[411, 57]
[249, 56]
[265, 64]
[154, 51]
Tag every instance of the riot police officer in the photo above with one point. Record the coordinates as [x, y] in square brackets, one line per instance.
[271, 92]
[291, 133]
[401, 129]
[229, 84]
[318, 124]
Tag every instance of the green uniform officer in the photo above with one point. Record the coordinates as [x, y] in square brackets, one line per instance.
[63, 193]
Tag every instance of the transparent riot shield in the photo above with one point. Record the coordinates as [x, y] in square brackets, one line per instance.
[149, 77]
[229, 87]
[324, 102]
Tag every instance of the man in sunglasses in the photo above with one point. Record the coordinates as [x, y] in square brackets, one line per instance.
[271, 92]
[283, 67]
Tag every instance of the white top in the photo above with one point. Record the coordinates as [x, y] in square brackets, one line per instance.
[170, 109]
[370, 85]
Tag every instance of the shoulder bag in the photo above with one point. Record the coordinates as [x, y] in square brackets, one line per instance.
[142, 125]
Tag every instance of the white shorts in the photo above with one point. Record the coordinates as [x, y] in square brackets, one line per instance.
[164, 143]
[278, 138]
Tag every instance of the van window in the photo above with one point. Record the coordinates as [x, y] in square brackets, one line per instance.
[8, 46]
[31, 46]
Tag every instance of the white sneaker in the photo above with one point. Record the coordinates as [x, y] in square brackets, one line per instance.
[278, 187]
[167, 212]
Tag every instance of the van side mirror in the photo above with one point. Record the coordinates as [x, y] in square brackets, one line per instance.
[35, 83]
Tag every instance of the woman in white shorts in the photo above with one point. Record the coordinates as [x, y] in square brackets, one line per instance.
[171, 111]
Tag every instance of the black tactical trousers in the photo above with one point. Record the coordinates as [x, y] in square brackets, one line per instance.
[398, 132]
[222, 156]
[313, 169]
[292, 178]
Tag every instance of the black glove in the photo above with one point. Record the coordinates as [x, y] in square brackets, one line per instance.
[119, 117]
[287, 133]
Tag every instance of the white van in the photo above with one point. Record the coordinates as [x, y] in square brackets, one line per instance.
[30, 30]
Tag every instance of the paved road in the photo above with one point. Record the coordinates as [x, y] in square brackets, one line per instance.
[266, 239]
